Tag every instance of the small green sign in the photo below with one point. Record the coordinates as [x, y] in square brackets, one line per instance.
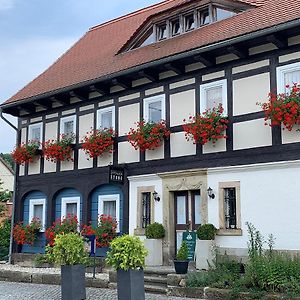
[190, 238]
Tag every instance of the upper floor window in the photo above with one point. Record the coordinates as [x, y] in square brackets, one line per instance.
[68, 126]
[162, 32]
[212, 94]
[204, 17]
[175, 27]
[286, 76]
[37, 209]
[106, 118]
[154, 109]
[35, 132]
[189, 22]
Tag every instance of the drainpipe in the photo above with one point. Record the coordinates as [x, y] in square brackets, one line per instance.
[14, 192]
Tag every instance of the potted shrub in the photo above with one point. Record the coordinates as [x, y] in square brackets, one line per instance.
[25, 153]
[148, 135]
[127, 256]
[69, 252]
[155, 232]
[181, 262]
[204, 246]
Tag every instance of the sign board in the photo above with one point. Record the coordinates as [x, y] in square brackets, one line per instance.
[116, 175]
[190, 238]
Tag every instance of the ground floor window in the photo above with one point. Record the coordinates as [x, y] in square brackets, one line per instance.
[70, 206]
[110, 205]
[37, 209]
[146, 209]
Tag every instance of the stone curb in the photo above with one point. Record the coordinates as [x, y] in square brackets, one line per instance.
[45, 278]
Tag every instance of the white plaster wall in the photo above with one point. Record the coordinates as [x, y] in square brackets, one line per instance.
[143, 181]
[105, 159]
[86, 124]
[128, 115]
[180, 146]
[35, 166]
[84, 161]
[6, 177]
[127, 154]
[157, 153]
[50, 133]
[292, 136]
[269, 200]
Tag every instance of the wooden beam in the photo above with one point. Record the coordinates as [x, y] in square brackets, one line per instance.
[79, 94]
[100, 88]
[238, 51]
[207, 60]
[149, 75]
[63, 100]
[25, 110]
[175, 67]
[126, 84]
[42, 105]
[278, 40]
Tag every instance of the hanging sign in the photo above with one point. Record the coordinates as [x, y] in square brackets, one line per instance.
[190, 238]
[116, 175]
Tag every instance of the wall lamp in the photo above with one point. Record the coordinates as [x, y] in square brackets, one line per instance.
[155, 196]
[210, 193]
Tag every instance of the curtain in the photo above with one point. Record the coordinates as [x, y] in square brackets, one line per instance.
[155, 111]
[38, 212]
[213, 97]
[106, 119]
[71, 209]
[109, 208]
[291, 77]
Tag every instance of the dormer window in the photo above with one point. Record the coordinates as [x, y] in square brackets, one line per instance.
[162, 32]
[189, 22]
[175, 27]
[204, 17]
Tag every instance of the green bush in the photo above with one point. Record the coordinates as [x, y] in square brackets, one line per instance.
[206, 232]
[4, 239]
[126, 252]
[155, 231]
[68, 250]
[183, 252]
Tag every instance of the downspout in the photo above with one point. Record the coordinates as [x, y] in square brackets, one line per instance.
[14, 192]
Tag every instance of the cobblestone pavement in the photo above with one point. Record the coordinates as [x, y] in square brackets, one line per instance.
[22, 291]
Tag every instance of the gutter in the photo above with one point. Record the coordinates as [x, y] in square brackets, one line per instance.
[182, 55]
[14, 191]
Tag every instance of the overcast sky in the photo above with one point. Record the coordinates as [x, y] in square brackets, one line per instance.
[34, 33]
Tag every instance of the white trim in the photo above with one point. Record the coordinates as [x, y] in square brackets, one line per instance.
[104, 110]
[103, 198]
[33, 126]
[203, 87]
[65, 201]
[146, 177]
[32, 203]
[150, 100]
[67, 119]
[280, 71]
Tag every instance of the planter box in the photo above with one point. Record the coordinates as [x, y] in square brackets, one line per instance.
[181, 266]
[204, 254]
[131, 285]
[154, 247]
[73, 282]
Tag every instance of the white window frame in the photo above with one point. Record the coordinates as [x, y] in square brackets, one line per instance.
[67, 119]
[33, 126]
[103, 198]
[206, 86]
[280, 71]
[32, 203]
[104, 110]
[70, 200]
[148, 101]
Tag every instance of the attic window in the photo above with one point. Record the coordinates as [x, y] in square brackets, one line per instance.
[162, 32]
[175, 27]
[204, 17]
[189, 22]
[223, 14]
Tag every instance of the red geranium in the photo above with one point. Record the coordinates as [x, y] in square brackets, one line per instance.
[25, 153]
[59, 150]
[283, 108]
[209, 126]
[26, 234]
[87, 230]
[105, 231]
[96, 142]
[148, 135]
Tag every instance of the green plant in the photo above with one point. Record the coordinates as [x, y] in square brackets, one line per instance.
[206, 232]
[127, 252]
[106, 230]
[155, 231]
[67, 250]
[183, 252]
[40, 259]
[4, 238]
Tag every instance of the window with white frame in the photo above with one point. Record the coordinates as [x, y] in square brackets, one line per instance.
[35, 132]
[37, 209]
[212, 94]
[154, 109]
[70, 206]
[110, 205]
[106, 118]
[286, 76]
[68, 126]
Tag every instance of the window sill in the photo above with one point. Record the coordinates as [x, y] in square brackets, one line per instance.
[139, 231]
[230, 232]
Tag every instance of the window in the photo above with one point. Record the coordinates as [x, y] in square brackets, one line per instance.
[37, 209]
[204, 17]
[223, 14]
[70, 206]
[68, 126]
[154, 109]
[110, 205]
[162, 32]
[35, 133]
[106, 118]
[146, 209]
[212, 94]
[287, 75]
[175, 27]
[148, 39]
[189, 22]
[229, 205]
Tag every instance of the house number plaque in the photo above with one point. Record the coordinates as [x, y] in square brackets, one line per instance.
[116, 175]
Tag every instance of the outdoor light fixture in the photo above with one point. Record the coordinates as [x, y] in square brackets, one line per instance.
[155, 196]
[210, 193]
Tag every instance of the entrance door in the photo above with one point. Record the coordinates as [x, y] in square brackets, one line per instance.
[187, 213]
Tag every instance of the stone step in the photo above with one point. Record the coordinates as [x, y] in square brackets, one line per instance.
[148, 288]
[156, 279]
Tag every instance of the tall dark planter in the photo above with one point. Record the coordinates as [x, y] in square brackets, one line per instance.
[131, 285]
[73, 282]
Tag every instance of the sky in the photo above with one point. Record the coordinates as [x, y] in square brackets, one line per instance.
[34, 33]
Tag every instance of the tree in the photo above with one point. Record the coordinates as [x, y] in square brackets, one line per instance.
[5, 195]
[8, 159]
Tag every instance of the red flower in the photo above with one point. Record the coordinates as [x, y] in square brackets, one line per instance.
[25, 153]
[105, 231]
[26, 234]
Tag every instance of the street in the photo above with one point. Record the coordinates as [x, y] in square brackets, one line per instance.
[22, 291]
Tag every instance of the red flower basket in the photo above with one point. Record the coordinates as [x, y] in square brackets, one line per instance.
[283, 108]
[26, 234]
[97, 142]
[25, 153]
[147, 135]
[105, 231]
[209, 126]
[59, 150]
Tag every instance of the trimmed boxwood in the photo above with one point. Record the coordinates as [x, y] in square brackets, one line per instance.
[206, 232]
[155, 231]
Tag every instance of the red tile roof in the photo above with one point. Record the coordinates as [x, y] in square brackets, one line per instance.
[94, 55]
